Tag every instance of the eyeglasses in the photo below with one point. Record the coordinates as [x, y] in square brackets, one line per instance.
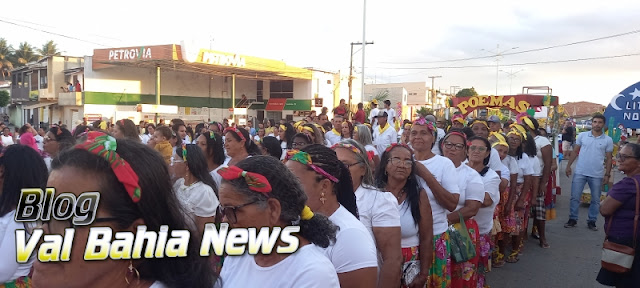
[401, 163]
[622, 157]
[478, 148]
[230, 211]
[174, 161]
[58, 227]
[350, 165]
[458, 146]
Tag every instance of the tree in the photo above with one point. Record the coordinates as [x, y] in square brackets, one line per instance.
[5, 53]
[380, 96]
[24, 54]
[49, 49]
[467, 92]
[4, 98]
[424, 111]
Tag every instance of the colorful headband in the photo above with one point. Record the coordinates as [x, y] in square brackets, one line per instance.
[105, 146]
[255, 181]
[394, 145]
[480, 122]
[212, 135]
[304, 158]
[306, 213]
[233, 129]
[464, 136]
[283, 128]
[503, 143]
[184, 151]
[458, 118]
[350, 147]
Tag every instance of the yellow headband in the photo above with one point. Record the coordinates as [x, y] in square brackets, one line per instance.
[503, 143]
[498, 136]
[529, 123]
[306, 128]
[520, 129]
[515, 132]
[306, 213]
[355, 129]
[481, 122]
[321, 128]
[283, 128]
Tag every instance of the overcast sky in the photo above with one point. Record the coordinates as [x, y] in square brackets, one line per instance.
[406, 34]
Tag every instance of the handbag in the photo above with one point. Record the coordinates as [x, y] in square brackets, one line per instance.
[618, 258]
[410, 270]
[462, 247]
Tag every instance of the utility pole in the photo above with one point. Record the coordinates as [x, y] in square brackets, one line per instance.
[511, 75]
[497, 53]
[351, 73]
[364, 40]
[433, 91]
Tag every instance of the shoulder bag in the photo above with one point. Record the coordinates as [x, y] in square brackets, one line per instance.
[618, 258]
[462, 247]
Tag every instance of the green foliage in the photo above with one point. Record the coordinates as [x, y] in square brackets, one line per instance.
[5, 63]
[467, 92]
[4, 98]
[424, 111]
[380, 96]
[49, 49]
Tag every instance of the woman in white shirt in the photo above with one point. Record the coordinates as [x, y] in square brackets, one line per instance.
[7, 138]
[286, 137]
[148, 133]
[196, 190]
[212, 146]
[378, 211]
[434, 172]
[454, 146]
[281, 203]
[238, 145]
[396, 174]
[518, 191]
[362, 134]
[479, 154]
[328, 185]
[15, 176]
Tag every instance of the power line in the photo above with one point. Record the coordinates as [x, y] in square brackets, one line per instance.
[53, 33]
[515, 64]
[523, 51]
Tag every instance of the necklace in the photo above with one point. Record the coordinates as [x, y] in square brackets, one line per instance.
[184, 188]
[400, 194]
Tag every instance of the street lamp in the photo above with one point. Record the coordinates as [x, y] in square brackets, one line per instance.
[497, 53]
[511, 75]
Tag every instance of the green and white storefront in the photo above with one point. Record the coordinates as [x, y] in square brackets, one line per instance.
[195, 85]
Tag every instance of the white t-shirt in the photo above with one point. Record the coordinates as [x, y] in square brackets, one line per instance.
[391, 113]
[524, 167]
[217, 177]
[373, 113]
[377, 208]
[7, 140]
[304, 268]
[39, 141]
[198, 199]
[494, 160]
[505, 173]
[382, 141]
[333, 136]
[436, 149]
[470, 185]
[354, 249]
[408, 227]
[540, 143]
[484, 217]
[442, 169]
[371, 148]
[512, 165]
[535, 166]
[283, 145]
[145, 138]
[10, 269]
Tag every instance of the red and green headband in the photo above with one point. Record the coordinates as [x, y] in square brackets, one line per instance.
[238, 132]
[255, 181]
[304, 158]
[394, 145]
[105, 146]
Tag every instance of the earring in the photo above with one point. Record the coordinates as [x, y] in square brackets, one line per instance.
[322, 199]
[131, 271]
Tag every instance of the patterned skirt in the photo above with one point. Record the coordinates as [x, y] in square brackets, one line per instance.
[507, 222]
[464, 275]
[522, 216]
[410, 254]
[440, 271]
[22, 282]
[483, 249]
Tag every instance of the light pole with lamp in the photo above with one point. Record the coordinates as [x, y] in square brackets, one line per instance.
[497, 53]
[511, 75]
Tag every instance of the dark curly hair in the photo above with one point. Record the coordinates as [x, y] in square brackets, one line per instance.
[215, 147]
[286, 188]
[327, 159]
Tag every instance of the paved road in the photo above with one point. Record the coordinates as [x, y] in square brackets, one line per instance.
[573, 259]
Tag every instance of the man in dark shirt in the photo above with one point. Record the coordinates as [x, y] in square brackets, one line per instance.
[568, 138]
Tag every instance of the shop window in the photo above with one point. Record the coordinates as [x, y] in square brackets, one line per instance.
[281, 89]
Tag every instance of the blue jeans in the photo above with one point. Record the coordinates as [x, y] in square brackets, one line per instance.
[577, 185]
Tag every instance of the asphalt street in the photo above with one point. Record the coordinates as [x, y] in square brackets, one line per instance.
[573, 260]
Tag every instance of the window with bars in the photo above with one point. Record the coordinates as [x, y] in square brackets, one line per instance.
[281, 89]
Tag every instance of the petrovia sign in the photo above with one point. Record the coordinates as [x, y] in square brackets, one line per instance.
[624, 108]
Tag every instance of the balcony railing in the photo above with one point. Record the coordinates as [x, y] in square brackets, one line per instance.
[70, 99]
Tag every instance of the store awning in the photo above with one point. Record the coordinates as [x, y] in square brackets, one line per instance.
[297, 105]
[38, 105]
[257, 105]
[276, 104]
[279, 104]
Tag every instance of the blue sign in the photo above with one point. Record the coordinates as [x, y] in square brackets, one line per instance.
[625, 108]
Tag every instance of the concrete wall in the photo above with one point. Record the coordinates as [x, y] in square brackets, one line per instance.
[417, 92]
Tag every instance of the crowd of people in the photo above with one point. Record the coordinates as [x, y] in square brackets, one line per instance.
[430, 205]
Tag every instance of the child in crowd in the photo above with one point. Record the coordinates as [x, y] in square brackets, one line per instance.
[161, 137]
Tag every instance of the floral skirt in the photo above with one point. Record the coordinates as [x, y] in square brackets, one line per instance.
[440, 271]
[483, 249]
[22, 282]
[522, 216]
[464, 275]
[410, 254]
[507, 222]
